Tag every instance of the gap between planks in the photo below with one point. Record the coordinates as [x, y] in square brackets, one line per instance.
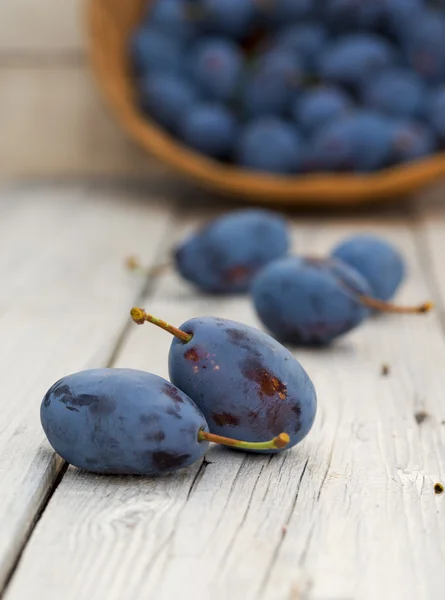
[64, 302]
[350, 514]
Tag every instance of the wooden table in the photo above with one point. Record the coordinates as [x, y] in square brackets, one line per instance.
[350, 514]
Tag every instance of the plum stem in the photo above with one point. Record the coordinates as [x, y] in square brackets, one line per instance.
[279, 442]
[394, 308]
[139, 316]
[132, 263]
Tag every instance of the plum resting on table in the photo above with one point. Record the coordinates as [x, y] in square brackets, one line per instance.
[127, 422]
[376, 260]
[225, 255]
[247, 384]
[309, 301]
[122, 421]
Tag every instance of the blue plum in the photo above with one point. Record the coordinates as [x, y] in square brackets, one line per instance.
[282, 61]
[122, 421]
[153, 51]
[247, 385]
[344, 15]
[377, 260]
[309, 301]
[226, 254]
[216, 66]
[270, 144]
[165, 96]
[320, 106]
[265, 94]
[411, 140]
[425, 45]
[209, 128]
[305, 40]
[359, 142]
[436, 112]
[352, 59]
[269, 87]
[281, 12]
[233, 18]
[398, 92]
[401, 16]
[173, 17]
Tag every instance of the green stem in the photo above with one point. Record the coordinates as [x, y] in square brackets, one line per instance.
[279, 442]
[139, 316]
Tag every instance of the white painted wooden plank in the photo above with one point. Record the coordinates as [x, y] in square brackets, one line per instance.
[349, 514]
[432, 239]
[376, 529]
[43, 26]
[53, 123]
[64, 300]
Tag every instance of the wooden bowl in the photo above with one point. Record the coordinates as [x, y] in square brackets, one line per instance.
[110, 23]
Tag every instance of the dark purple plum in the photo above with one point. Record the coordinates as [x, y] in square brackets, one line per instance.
[122, 421]
[153, 51]
[247, 384]
[265, 93]
[360, 141]
[401, 17]
[376, 259]
[305, 40]
[270, 86]
[128, 422]
[411, 140]
[316, 108]
[174, 17]
[312, 301]
[164, 97]
[352, 14]
[270, 144]
[352, 59]
[233, 18]
[436, 112]
[282, 12]
[425, 45]
[226, 253]
[398, 92]
[309, 301]
[209, 128]
[216, 65]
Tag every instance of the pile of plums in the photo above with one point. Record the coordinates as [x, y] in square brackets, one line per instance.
[227, 379]
[229, 383]
[303, 300]
[291, 86]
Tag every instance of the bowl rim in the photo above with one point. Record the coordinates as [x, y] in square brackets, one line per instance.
[324, 189]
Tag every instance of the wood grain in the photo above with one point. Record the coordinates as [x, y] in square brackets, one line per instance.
[350, 514]
[64, 301]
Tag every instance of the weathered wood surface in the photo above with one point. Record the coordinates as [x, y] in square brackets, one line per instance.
[64, 301]
[349, 514]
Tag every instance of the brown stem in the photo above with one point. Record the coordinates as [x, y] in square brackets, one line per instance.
[139, 316]
[132, 263]
[394, 308]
